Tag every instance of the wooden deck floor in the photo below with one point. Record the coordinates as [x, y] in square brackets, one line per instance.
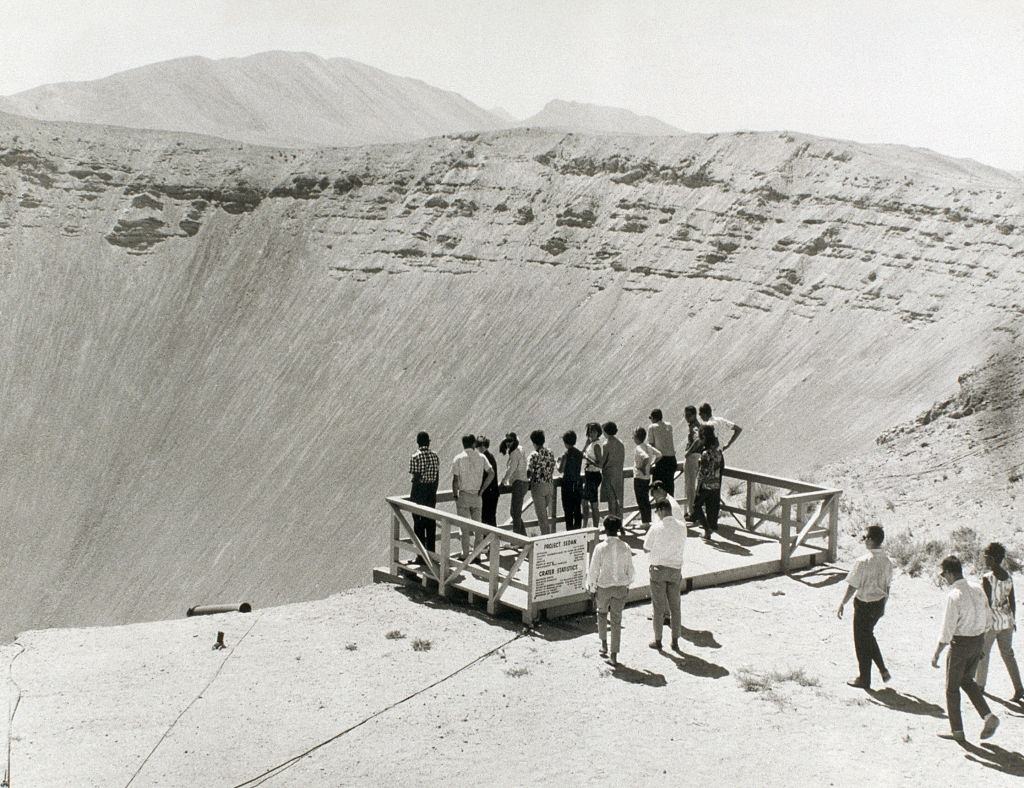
[733, 555]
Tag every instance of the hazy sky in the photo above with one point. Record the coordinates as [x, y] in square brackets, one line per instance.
[943, 74]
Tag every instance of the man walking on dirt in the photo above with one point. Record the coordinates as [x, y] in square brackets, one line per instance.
[868, 583]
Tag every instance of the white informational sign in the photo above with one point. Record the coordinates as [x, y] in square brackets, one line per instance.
[560, 566]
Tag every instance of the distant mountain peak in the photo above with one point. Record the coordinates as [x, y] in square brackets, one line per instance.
[278, 98]
[597, 119]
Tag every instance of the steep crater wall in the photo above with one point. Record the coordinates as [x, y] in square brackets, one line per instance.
[216, 357]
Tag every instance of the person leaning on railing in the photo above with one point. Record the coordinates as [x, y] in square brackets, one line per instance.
[612, 471]
[470, 474]
[709, 483]
[489, 494]
[540, 470]
[515, 476]
[570, 465]
[645, 457]
[659, 435]
[593, 458]
[424, 467]
[691, 458]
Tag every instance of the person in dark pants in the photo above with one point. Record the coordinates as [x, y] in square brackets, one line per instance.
[868, 583]
[964, 625]
[645, 457]
[423, 466]
[488, 495]
[708, 500]
[659, 436]
[570, 465]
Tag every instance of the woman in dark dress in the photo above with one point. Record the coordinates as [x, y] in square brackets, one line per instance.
[489, 494]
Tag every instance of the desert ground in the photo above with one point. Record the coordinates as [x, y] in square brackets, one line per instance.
[318, 694]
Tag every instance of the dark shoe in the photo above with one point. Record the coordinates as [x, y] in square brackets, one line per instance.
[655, 644]
[613, 660]
[991, 723]
[675, 646]
[886, 676]
[858, 684]
[604, 650]
[957, 736]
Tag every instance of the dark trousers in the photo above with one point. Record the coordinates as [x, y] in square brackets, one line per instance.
[962, 662]
[664, 471]
[515, 506]
[705, 508]
[865, 616]
[425, 494]
[572, 498]
[489, 505]
[641, 489]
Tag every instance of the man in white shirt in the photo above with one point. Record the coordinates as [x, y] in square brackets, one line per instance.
[666, 543]
[659, 435]
[868, 583]
[609, 576]
[470, 474]
[722, 426]
[964, 624]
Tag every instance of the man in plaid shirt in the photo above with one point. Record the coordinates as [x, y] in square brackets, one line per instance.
[539, 472]
[423, 466]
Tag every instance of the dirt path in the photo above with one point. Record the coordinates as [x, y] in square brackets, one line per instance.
[488, 703]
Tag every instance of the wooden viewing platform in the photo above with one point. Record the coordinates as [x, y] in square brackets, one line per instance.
[768, 524]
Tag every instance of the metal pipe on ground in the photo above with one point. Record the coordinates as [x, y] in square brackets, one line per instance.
[209, 610]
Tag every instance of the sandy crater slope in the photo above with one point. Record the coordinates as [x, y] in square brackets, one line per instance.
[215, 356]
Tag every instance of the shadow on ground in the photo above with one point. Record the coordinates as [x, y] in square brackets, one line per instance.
[820, 576]
[905, 702]
[695, 666]
[996, 758]
[630, 675]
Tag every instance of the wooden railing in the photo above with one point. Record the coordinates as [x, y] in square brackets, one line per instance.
[804, 516]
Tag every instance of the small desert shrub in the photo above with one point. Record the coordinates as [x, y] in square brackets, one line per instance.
[351, 647]
[732, 489]
[755, 681]
[420, 644]
[395, 634]
[965, 543]
[517, 672]
[913, 554]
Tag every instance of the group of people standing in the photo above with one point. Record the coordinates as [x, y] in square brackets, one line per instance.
[589, 476]
[975, 619]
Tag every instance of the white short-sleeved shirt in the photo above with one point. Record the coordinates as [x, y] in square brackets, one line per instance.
[871, 575]
[666, 542]
[471, 467]
[723, 427]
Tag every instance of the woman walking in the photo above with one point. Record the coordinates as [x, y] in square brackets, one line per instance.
[998, 586]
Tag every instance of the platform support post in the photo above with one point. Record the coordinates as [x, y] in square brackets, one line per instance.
[833, 528]
[445, 557]
[786, 539]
